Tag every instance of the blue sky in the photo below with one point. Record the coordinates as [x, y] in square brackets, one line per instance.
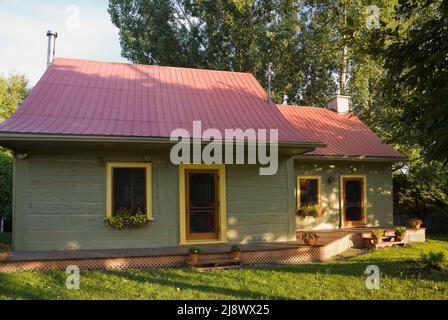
[84, 28]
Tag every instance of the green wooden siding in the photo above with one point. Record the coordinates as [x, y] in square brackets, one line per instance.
[60, 199]
[60, 202]
[379, 191]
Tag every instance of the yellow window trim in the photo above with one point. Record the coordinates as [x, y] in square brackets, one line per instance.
[222, 201]
[319, 183]
[110, 166]
[364, 182]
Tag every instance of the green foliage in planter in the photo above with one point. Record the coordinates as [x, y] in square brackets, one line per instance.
[235, 248]
[123, 219]
[309, 235]
[377, 234]
[194, 250]
[309, 210]
[116, 222]
[400, 232]
[138, 220]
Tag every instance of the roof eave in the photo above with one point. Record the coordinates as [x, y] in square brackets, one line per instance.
[17, 137]
[352, 158]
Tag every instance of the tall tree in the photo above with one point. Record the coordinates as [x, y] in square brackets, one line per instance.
[416, 83]
[13, 90]
[238, 35]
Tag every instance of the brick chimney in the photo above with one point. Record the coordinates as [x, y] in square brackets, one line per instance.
[339, 103]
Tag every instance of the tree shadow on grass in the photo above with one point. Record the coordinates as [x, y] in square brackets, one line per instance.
[393, 269]
[12, 287]
[179, 281]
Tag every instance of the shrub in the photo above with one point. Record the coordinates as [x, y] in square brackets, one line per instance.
[5, 183]
[4, 248]
[194, 250]
[433, 260]
[235, 248]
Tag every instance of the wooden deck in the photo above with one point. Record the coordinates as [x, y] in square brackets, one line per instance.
[329, 244]
[144, 252]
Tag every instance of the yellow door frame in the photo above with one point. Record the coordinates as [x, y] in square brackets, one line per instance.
[364, 207]
[222, 203]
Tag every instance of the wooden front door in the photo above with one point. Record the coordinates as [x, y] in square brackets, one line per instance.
[353, 201]
[202, 204]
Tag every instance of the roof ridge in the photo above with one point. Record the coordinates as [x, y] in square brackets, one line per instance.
[296, 106]
[150, 65]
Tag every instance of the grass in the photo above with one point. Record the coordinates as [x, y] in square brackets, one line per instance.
[341, 278]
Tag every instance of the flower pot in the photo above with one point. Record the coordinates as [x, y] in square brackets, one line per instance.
[399, 238]
[194, 257]
[236, 255]
[310, 241]
[377, 240]
[5, 252]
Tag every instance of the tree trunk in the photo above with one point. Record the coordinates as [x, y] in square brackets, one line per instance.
[343, 58]
[343, 70]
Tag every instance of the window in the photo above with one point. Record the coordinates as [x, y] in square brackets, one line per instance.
[128, 188]
[308, 191]
[202, 191]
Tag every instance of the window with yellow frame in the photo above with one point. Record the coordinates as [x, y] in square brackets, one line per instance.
[128, 188]
[308, 191]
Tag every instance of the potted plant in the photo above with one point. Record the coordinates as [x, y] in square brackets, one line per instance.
[194, 254]
[415, 223]
[310, 210]
[4, 251]
[377, 235]
[400, 232]
[123, 218]
[236, 252]
[138, 220]
[309, 238]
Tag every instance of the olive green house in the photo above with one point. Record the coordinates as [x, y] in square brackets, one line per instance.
[93, 141]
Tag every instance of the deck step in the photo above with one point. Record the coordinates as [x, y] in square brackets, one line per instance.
[218, 268]
[215, 264]
[386, 244]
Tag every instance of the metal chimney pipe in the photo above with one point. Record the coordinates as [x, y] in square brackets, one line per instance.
[52, 35]
[270, 74]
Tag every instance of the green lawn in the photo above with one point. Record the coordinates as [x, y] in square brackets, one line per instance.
[339, 279]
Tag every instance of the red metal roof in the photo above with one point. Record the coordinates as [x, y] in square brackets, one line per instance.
[78, 97]
[344, 134]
